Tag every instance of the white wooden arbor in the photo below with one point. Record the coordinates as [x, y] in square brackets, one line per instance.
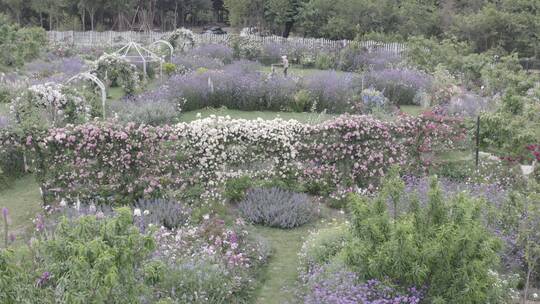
[167, 44]
[135, 53]
[99, 83]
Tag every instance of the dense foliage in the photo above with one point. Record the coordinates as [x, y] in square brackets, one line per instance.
[482, 24]
[19, 44]
[443, 246]
[88, 260]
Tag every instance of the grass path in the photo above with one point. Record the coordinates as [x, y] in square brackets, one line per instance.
[23, 201]
[281, 274]
[281, 271]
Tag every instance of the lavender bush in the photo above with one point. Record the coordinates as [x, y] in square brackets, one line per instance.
[333, 91]
[275, 207]
[194, 62]
[469, 105]
[215, 51]
[68, 66]
[399, 85]
[145, 110]
[160, 212]
[334, 284]
[237, 86]
[353, 60]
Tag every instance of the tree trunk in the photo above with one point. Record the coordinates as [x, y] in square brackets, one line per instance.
[83, 17]
[92, 20]
[288, 28]
[175, 15]
[41, 18]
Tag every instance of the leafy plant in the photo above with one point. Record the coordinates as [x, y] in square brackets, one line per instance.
[87, 260]
[443, 246]
[235, 188]
[277, 208]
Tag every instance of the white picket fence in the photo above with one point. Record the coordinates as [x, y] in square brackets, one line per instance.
[111, 38]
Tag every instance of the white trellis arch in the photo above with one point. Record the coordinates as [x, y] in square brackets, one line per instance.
[135, 53]
[98, 82]
[167, 43]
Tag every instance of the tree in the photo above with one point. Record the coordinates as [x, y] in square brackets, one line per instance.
[16, 7]
[283, 13]
[245, 12]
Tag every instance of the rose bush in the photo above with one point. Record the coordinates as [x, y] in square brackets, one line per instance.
[60, 104]
[110, 162]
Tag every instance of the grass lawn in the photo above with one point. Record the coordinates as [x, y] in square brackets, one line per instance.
[23, 201]
[267, 115]
[115, 93]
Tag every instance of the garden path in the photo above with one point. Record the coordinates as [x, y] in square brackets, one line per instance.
[280, 280]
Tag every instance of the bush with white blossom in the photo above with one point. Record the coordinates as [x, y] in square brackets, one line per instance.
[181, 39]
[118, 72]
[60, 104]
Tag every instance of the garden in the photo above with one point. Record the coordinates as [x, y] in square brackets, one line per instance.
[189, 172]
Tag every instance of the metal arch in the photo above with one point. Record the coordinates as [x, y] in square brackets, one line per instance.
[100, 84]
[148, 56]
[167, 43]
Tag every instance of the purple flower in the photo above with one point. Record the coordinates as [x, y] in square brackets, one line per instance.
[43, 279]
[340, 286]
[5, 212]
[40, 223]
[215, 51]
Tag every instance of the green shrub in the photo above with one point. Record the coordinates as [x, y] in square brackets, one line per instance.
[87, 261]
[443, 245]
[18, 45]
[235, 188]
[302, 101]
[12, 163]
[324, 61]
[169, 68]
[198, 281]
[322, 246]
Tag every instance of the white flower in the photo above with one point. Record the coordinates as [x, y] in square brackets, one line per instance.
[206, 216]
[535, 295]
[63, 203]
[146, 212]
[137, 212]
[92, 208]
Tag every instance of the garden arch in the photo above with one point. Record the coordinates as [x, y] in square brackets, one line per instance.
[166, 43]
[98, 82]
[135, 53]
